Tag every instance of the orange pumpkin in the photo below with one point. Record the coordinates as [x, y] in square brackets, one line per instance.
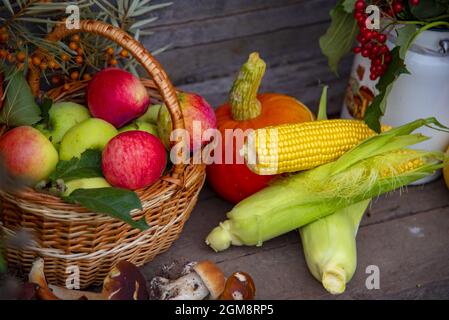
[248, 110]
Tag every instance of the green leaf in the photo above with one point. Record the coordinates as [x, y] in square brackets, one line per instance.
[88, 166]
[20, 108]
[427, 9]
[322, 110]
[385, 85]
[405, 38]
[45, 108]
[338, 39]
[115, 202]
[348, 5]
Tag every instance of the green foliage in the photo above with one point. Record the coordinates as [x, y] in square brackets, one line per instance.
[19, 108]
[88, 166]
[416, 19]
[385, 84]
[340, 35]
[117, 203]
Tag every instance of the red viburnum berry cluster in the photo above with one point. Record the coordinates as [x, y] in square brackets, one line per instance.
[371, 43]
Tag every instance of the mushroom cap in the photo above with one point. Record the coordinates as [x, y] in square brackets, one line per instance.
[239, 286]
[125, 282]
[212, 276]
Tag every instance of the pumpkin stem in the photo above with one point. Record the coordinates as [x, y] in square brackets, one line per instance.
[243, 95]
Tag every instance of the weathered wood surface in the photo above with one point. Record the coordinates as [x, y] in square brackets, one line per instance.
[406, 236]
[210, 39]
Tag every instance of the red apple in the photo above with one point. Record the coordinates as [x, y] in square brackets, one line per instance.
[133, 160]
[28, 154]
[194, 108]
[117, 96]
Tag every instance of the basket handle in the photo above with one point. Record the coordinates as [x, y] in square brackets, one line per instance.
[141, 54]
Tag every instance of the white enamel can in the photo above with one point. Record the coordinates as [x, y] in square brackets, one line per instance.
[422, 93]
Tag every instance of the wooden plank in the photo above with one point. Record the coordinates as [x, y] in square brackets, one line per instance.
[410, 251]
[413, 200]
[195, 64]
[183, 11]
[239, 25]
[302, 80]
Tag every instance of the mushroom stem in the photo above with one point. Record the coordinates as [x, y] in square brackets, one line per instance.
[37, 276]
[51, 292]
[203, 279]
[188, 287]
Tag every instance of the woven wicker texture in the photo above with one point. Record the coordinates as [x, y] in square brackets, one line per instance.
[67, 235]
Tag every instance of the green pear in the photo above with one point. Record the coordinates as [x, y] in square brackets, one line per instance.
[151, 115]
[92, 133]
[140, 126]
[63, 116]
[85, 183]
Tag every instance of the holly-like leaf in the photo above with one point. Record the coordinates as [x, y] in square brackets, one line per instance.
[115, 202]
[385, 84]
[88, 166]
[406, 35]
[20, 108]
[338, 39]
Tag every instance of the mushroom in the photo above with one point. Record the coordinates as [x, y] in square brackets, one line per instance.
[239, 286]
[199, 280]
[51, 292]
[27, 291]
[125, 282]
[37, 276]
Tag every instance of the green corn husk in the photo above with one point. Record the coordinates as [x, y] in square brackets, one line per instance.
[307, 196]
[330, 248]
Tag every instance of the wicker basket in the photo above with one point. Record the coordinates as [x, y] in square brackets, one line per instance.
[69, 236]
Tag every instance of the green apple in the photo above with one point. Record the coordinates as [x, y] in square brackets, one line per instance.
[92, 133]
[43, 129]
[151, 115]
[85, 183]
[63, 116]
[140, 126]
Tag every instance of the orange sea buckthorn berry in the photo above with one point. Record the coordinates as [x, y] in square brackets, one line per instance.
[55, 79]
[110, 51]
[4, 37]
[79, 51]
[73, 45]
[52, 64]
[65, 57]
[66, 86]
[74, 75]
[79, 59]
[113, 62]
[37, 61]
[11, 58]
[75, 38]
[124, 53]
[87, 76]
[21, 56]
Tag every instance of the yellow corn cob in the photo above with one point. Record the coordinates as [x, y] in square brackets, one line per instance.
[296, 147]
